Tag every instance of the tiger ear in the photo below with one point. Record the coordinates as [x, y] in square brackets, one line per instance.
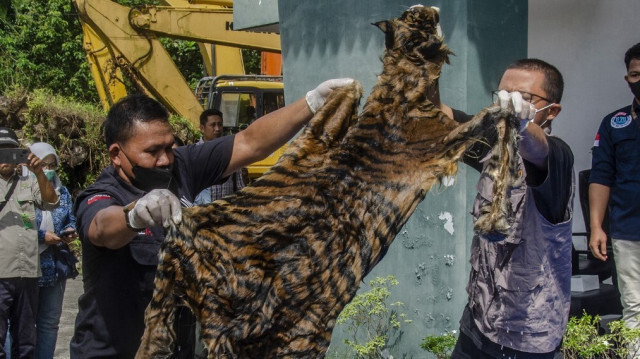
[386, 27]
[383, 25]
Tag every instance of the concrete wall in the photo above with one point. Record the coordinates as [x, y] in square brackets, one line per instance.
[257, 15]
[586, 40]
[335, 38]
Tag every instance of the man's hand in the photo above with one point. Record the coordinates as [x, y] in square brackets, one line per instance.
[34, 164]
[316, 97]
[598, 244]
[156, 208]
[513, 101]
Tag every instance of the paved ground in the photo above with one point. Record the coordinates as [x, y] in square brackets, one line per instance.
[67, 321]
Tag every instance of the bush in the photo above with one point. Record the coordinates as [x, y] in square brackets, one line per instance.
[371, 321]
[440, 345]
[582, 339]
[73, 128]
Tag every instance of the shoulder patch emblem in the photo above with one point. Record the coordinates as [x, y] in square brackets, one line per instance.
[97, 197]
[620, 120]
[596, 142]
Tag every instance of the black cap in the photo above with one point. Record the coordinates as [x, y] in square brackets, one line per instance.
[8, 137]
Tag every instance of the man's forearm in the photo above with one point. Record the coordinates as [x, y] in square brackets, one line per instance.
[598, 202]
[47, 192]
[267, 134]
[109, 229]
[533, 146]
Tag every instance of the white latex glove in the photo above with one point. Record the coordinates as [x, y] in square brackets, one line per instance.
[513, 101]
[154, 209]
[316, 97]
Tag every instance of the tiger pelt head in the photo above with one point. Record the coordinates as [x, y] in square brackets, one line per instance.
[402, 103]
[417, 37]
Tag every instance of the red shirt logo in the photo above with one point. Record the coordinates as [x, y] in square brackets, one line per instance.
[97, 197]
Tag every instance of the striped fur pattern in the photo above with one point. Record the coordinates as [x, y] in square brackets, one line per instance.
[268, 269]
[505, 169]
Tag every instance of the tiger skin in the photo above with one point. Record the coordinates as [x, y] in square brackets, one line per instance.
[267, 270]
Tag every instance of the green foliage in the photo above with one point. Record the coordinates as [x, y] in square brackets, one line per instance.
[74, 130]
[440, 345]
[41, 46]
[186, 55]
[184, 129]
[368, 317]
[136, 3]
[251, 59]
[582, 340]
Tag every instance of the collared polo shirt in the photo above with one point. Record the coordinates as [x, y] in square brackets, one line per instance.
[615, 163]
[18, 229]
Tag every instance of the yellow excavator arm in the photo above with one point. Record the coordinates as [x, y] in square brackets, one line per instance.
[121, 39]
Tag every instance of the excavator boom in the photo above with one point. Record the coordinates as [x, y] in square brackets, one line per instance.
[122, 39]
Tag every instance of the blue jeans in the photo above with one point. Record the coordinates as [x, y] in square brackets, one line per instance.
[48, 319]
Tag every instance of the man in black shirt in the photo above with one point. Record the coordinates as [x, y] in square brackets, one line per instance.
[121, 216]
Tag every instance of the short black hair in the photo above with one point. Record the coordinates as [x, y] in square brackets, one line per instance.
[554, 84]
[632, 53]
[120, 122]
[209, 112]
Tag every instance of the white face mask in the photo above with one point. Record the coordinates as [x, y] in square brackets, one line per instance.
[542, 109]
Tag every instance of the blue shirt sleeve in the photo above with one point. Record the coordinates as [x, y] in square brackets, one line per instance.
[66, 219]
[603, 162]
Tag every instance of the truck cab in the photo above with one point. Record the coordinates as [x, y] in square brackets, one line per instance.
[242, 99]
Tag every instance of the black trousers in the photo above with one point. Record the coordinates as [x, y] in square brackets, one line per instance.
[185, 327]
[18, 308]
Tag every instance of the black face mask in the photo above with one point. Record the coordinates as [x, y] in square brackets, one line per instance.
[148, 179]
[635, 88]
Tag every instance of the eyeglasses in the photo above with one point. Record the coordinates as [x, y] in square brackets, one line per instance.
[49, 165]
[527, 96]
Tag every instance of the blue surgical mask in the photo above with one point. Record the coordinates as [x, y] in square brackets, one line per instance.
[50, 174]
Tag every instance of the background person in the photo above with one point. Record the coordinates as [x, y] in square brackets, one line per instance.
[615, 183]
[56, 260]
[19, 262]
[121, 216]
[211, 127]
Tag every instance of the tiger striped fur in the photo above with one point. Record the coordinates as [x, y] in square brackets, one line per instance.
[268, 269]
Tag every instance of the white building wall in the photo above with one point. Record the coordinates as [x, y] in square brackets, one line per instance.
[586, 40]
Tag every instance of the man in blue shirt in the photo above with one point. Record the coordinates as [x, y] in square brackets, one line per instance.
[615, 182]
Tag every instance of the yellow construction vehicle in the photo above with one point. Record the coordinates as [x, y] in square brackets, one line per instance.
[242, 99]
[119, 39]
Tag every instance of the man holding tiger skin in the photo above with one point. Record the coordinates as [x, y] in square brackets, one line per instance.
[519, 285]
[120, 218]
